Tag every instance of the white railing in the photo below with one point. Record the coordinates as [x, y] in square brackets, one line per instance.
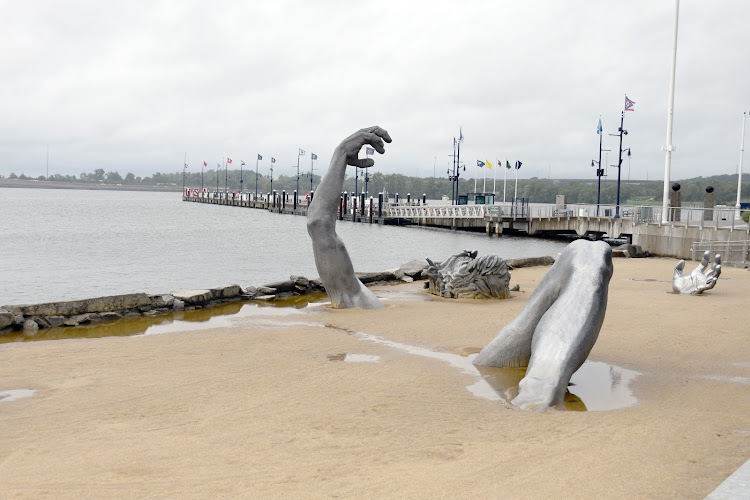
[437, 212]
[734, 253]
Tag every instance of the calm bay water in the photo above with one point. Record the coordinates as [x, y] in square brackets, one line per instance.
[69, 244]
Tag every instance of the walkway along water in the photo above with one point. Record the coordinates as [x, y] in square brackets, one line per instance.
[687, 231]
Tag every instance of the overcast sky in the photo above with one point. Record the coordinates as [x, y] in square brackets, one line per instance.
[134, 86]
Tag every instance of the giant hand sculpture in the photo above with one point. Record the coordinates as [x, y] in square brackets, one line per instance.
[556, 330]
[331, 258]
[699, 280]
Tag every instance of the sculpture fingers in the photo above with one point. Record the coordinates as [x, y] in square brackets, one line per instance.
[360, 162]
[380, 132]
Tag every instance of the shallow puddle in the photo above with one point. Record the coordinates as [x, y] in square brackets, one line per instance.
[596, 386]
[15, 394]
[354, 358]
[218, 316]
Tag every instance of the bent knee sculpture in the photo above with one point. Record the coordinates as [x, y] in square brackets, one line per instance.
[556, 330]
[699, 280]
[331, 258]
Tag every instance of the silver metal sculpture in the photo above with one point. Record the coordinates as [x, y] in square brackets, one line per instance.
[699, 280]
[331, 258]
[465, 276]
[556, 330]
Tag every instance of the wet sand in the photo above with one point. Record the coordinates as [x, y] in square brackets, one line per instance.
[270, 406]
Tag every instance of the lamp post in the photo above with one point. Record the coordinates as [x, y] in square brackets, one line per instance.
[739, 171]
[620, 133]
[599, 169]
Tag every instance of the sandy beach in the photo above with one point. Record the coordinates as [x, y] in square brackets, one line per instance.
[317, 402]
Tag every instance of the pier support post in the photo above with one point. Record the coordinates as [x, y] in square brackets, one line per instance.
[346, 205]
[424, 199]
[396, 198]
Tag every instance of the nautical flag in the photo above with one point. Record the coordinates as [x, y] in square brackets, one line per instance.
[461, 134]
[507, 164]
[205, 164]
[242, 163]
[313, 156]
[629, 104]
[489, 165]
[218, 165]
[186, 165]
[273, 160]
[518, 165]
[301, 152]
[599, 128]
[370, 151]
[229, 160]
[480, 163]
[260, 158]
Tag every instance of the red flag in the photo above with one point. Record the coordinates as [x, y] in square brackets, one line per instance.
[229, 160]
[186, 165]
[205, 164]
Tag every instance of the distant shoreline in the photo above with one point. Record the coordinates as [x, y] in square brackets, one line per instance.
[35, 184]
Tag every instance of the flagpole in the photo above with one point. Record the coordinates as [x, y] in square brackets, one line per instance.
[668, 148]
[475, 175]
[256, 176]
[494, 176]
[241, 163]
[184, 167]
[202, 167]
[515, 193]
[484, 181]
[311, 171]
[505, 178]
[226, 179]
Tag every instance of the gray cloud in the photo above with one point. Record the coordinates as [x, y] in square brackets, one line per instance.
[135, 86]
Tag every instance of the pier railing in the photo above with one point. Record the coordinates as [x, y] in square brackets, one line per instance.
[436, 211]
[733, 253]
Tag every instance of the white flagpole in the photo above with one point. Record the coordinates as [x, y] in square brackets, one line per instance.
[515, 193]
[475, 176]
[484, 182]
[505, 177]
[494, 174]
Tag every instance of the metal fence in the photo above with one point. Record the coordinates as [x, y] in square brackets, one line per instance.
[733, 253]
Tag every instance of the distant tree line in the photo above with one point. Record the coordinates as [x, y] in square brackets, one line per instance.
[536, 190]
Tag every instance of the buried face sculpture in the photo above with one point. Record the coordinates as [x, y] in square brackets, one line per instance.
[331, 258]
[699, 280]
[556, 330]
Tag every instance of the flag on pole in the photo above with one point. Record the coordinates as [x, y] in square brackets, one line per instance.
[518, 165]
[242, 163]
[205, 164]
[599, 128]
[186, 165]
[480, 163]
[273, 160]
[369, 151]
[461, 134]
[489, 165]
[301, 152]
[629, 104]
[313, 156]
[229, 160]
[507, 164]
[218, 165]
[260, 158]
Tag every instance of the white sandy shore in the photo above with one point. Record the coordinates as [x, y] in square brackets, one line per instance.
[266, 407]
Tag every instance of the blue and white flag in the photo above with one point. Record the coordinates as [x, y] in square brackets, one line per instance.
[260, 158]
[599, 128]
[273, 160]
[461, 134]
[313, 156]
[629, 104]
[242, 163]
[369, 151]
[518, 165]
[301, 152]
[480, 163]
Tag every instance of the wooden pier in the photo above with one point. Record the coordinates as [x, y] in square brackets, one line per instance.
[639, 225]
